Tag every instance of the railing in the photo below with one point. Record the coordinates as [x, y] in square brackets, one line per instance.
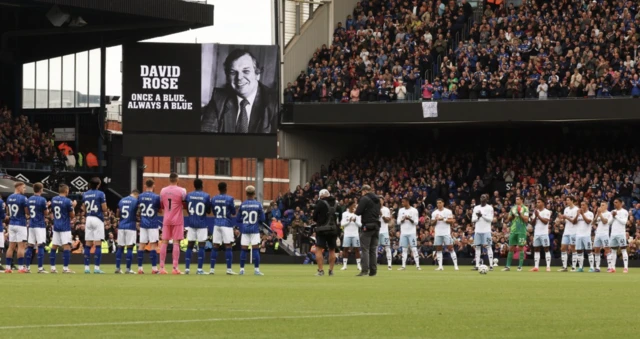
[268, 231]
[296, 14]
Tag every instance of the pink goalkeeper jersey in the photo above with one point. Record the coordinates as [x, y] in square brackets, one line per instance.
[172, 198]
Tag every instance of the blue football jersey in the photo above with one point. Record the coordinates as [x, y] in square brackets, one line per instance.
[93, 200]
[17, 204]
[198, 205]
[37, 206]
[128, 207]
[149, 206]
[250, 216]
[61, 208]
[223, 209]
[3, 214]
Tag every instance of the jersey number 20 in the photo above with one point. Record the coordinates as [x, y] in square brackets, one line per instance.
[249, 217]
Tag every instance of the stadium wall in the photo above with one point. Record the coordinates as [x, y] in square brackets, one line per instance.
[276, 173]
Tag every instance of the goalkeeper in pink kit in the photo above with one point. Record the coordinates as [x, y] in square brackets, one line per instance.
[172, 198]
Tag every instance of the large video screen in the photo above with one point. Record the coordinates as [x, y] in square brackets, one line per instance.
[200, 91]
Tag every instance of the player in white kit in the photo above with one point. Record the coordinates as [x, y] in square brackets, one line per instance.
[351, 224]
[569, 236]
[385, 219]
[620, 216]
[482, 218]
[583, 236]
[442, 218]
[540, 220]
[601, 241]
[408, 219]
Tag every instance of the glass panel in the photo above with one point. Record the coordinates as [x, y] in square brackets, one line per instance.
[82, 81]
[68, 81]
[94, 78]
[55, 82]
[28, 85]
[42, 84]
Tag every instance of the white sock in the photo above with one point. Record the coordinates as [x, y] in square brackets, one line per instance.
[574, 259]
[564, 259]
[581, 259]
[625, 258]
[344, 261]
[155, 268]
[405, 254]
[416, 257]
[53, 268]
[614, 258]
[596, 257]
[439, 256]
[489, 255]
[97, 268]
[388, 250]
[590, 255]
[358, 261]
[478, 254]
[454, 257]
[548, 256]
[86, 267]
[536, 257]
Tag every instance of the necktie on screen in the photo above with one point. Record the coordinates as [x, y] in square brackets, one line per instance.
[243, 121]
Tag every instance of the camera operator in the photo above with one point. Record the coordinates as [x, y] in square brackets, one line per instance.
[369, 210]
[324, 215]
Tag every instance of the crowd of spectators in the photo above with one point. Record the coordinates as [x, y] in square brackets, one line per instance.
[435, 50]
[460, 174]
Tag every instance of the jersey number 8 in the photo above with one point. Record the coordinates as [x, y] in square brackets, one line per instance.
[56, 212]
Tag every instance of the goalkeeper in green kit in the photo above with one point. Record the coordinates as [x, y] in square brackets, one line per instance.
[519, 217]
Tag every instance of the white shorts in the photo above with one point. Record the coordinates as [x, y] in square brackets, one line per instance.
[126, 237]
[408, 240]
[601, 241]
[196, 234]
[149, 235]
[383, 239]
[443, 240]
[250, 239]
[223, 235]
[583, 243]
[351, 241]
[94, 229]
[618, 240]
[541, 240]
[2, 240]
[17, 233]
[37, 236]
[61, 238]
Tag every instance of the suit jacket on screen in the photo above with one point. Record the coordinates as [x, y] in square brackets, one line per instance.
[220, 115]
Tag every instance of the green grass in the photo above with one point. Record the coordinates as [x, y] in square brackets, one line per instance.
[289, 302]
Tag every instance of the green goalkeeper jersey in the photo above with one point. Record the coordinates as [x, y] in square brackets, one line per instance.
[518, 226]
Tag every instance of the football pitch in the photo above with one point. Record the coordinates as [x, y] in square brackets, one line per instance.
[289, 302]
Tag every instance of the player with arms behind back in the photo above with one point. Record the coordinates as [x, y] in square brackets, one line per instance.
[149, 232]
[63, 211]
[37, 229]
[620, 216]
[482, 218]
[18, 210]
[519, 217]
[94, 204]
[442, 218]
[223, 209]
[198, 206]
[385, 219]
[603, 219]
[250, 216]
[172, 198]
[127, 231]
[540, 220]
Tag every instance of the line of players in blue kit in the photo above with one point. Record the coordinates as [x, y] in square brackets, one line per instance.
[25, 236]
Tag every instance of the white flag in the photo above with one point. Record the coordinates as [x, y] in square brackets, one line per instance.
[430, 109]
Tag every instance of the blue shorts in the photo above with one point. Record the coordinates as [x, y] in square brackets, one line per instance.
[601, 241]
[568, 239]
[482, 239]
[541, 241]
[351, 242]
[407, 240]
[583, 243]
[618, 241]
[383, 239]
[443, 240]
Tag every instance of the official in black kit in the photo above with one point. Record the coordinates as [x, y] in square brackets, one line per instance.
[369, 211]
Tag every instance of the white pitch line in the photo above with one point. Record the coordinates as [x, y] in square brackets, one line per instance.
[125, 323]
[151, 309]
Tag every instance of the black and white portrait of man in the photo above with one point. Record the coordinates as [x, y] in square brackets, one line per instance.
[239, 89]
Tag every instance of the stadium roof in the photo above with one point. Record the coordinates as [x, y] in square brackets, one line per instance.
[28, 33]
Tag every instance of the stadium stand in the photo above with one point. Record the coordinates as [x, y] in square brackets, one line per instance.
[438, 50]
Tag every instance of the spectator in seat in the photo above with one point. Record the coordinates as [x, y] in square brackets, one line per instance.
[401, 91]
[277, 227]
[71, 161]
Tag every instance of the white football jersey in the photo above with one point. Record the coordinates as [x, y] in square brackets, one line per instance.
[619, 223]
[442, 228]
[483, 224]
[570, 213]
[406, 226]
[584, 228]
[603, 229]
[384, 227]
[540, 227]
[351, 228]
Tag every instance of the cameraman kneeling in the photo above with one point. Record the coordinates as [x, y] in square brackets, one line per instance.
[326, 221]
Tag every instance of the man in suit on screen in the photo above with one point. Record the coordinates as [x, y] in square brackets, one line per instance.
[244, 105]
